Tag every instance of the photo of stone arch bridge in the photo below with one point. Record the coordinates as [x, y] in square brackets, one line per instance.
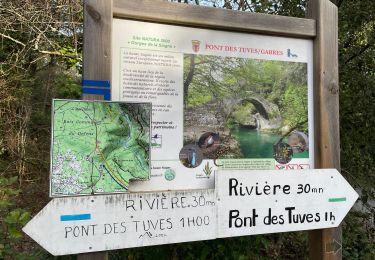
[249, 105]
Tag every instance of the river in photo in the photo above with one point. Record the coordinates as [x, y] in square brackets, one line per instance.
[256, 144]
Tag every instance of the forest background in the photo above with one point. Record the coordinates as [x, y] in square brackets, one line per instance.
[41, 59]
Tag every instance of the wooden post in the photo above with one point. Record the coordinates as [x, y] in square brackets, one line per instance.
[97, 42]
[93, 256]
[326, 243]
[97, 52]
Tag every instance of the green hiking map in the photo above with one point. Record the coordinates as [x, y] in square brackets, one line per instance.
[98, 147]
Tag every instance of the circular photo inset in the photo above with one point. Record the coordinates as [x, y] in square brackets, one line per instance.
[298, 141]
[283, 153]
[191, 156]
[209, 142]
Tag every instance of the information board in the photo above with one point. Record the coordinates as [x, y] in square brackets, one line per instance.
[219, 100]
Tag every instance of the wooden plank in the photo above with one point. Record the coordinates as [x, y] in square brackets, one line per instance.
[326, 105]
[92, 97]
[97, 41]
[93, 256]
[214, 18]
[97, 54]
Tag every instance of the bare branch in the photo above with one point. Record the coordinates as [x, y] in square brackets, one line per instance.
[361, 51]
[12, 39]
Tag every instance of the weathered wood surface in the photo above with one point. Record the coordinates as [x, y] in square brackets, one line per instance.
[326, 106]
[97, 54]
[215, 18]
[97, 42]
[93, 256]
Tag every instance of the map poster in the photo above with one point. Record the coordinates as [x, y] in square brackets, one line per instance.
[220, 100]
[98, 147]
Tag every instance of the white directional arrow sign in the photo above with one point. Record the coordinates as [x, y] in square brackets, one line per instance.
[259, 202]
[95, 223]
[243, 203]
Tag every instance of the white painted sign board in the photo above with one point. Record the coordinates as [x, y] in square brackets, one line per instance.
[260, 202]
[96, 223]
[243, 203]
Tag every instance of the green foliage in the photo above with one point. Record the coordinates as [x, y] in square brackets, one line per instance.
[359, 237]
[294, 104]
[67, 86]
[12, 219]
[197, 99]
[283, 84]
[40, 57]
[357, 121]
[243, 113]
[70, 56]
[275, 246]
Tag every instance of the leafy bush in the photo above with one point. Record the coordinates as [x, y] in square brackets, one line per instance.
[12, 219]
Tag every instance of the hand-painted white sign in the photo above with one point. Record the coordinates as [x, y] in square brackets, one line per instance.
[244, 203]
[260, 202]
[96, 223]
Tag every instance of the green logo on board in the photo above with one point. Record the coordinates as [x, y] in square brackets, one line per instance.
[169, 174]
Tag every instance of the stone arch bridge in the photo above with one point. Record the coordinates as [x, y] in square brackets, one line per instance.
[214, 114]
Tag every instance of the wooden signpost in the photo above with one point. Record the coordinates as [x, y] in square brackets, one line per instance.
[77, 219]
[243, 203]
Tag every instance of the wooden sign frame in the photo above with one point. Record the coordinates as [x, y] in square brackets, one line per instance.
[321, 26]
